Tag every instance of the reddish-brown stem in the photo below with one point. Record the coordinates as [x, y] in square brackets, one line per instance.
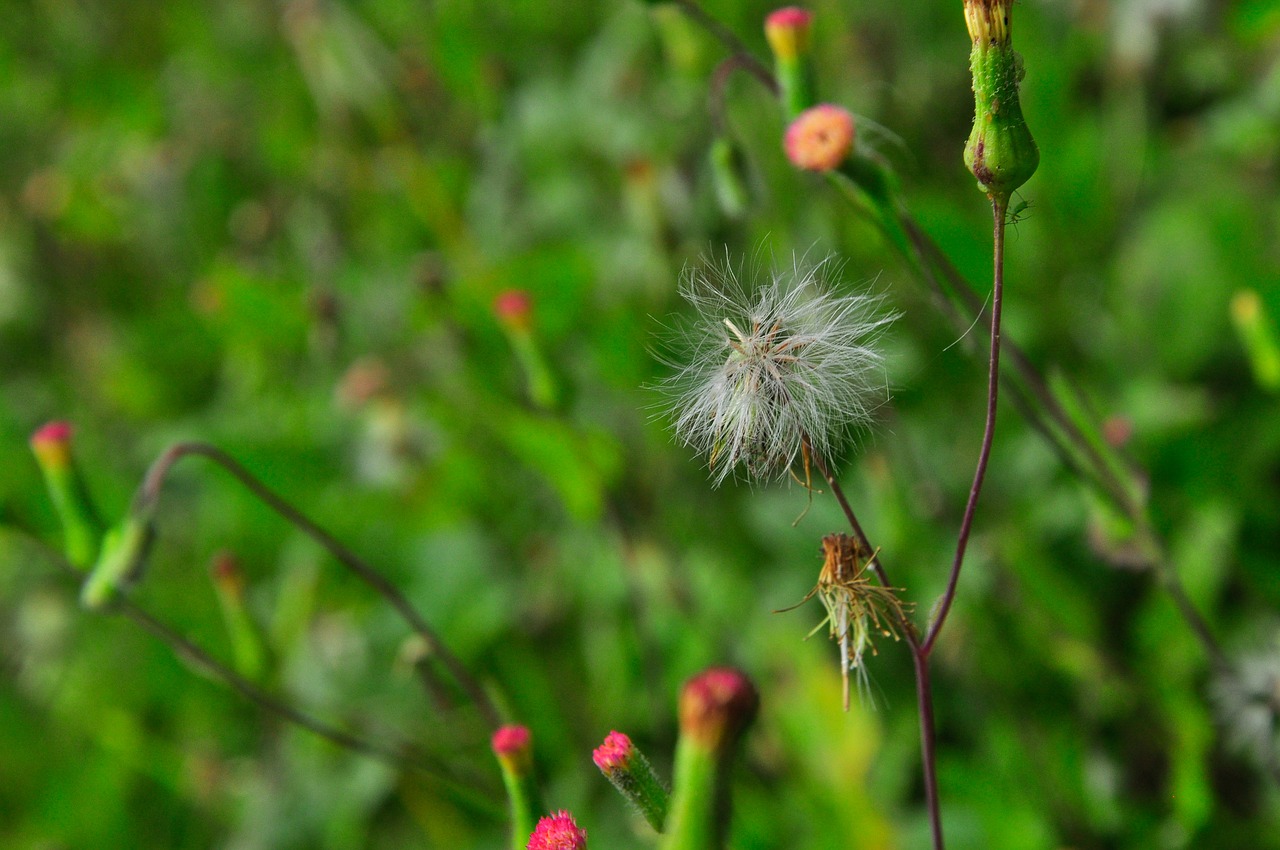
[998, 206]
[919, 658]
[928, 754]
[731, 41]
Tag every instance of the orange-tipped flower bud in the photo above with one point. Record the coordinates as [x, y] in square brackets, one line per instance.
[787, 30]
[558, 832]
[820, 138]
[227, 575]
[788, 33]
[717, 706]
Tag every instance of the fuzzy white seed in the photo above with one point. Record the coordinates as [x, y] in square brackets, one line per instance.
[762, 368]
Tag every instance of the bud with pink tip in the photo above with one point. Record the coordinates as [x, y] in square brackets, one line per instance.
[716, 707]
[514, 311]
[82, 530]
[513, 745]
[247, 643]
[787, 31]
[630, 772]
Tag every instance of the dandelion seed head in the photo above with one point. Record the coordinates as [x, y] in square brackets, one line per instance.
[1247, 698]
[762, 368]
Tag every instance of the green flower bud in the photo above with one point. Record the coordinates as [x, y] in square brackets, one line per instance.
[728, 174]
[81, 527]
[630, 772]
[514, 311]
[247, 642]
[124, 555]
[716, 708]
[1001, 153]
[1258, 335]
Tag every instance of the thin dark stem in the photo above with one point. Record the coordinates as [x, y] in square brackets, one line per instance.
[731, 41]
[1197, 623]
[919, 659]
[397, 757]
[849, 515]
[149, 492]
[998, 206]
[404, 757]
[932, 256]
[928, 752]
[720, 81]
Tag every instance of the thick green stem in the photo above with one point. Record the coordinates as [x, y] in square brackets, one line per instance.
[695, 820]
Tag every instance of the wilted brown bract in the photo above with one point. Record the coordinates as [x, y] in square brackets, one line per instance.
[857, 607]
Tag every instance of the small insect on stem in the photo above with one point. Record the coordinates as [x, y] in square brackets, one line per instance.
[1017, 212]
[857, 607]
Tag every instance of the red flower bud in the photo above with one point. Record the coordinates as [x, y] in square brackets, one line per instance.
[511, 741]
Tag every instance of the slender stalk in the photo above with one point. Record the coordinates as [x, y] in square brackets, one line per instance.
[726, 36]
[998, 207]
[920, 663]
[402, 757]
[149, 492]
[929, 257]
[720, 82]
[928, 751]
[1198, 626]
[398, 757]
[838, 491]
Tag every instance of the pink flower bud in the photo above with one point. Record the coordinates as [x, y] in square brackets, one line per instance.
[558, 832]
[52, 444]
[820, 138]
[514, 308]
[787, 30]
[614, 754]
[511, 741]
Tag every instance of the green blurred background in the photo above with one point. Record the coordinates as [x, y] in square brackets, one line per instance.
[281, 226]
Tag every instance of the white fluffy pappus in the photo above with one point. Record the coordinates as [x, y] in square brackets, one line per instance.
[762, 368]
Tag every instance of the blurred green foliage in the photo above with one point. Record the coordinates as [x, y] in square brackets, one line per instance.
[280, 227]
